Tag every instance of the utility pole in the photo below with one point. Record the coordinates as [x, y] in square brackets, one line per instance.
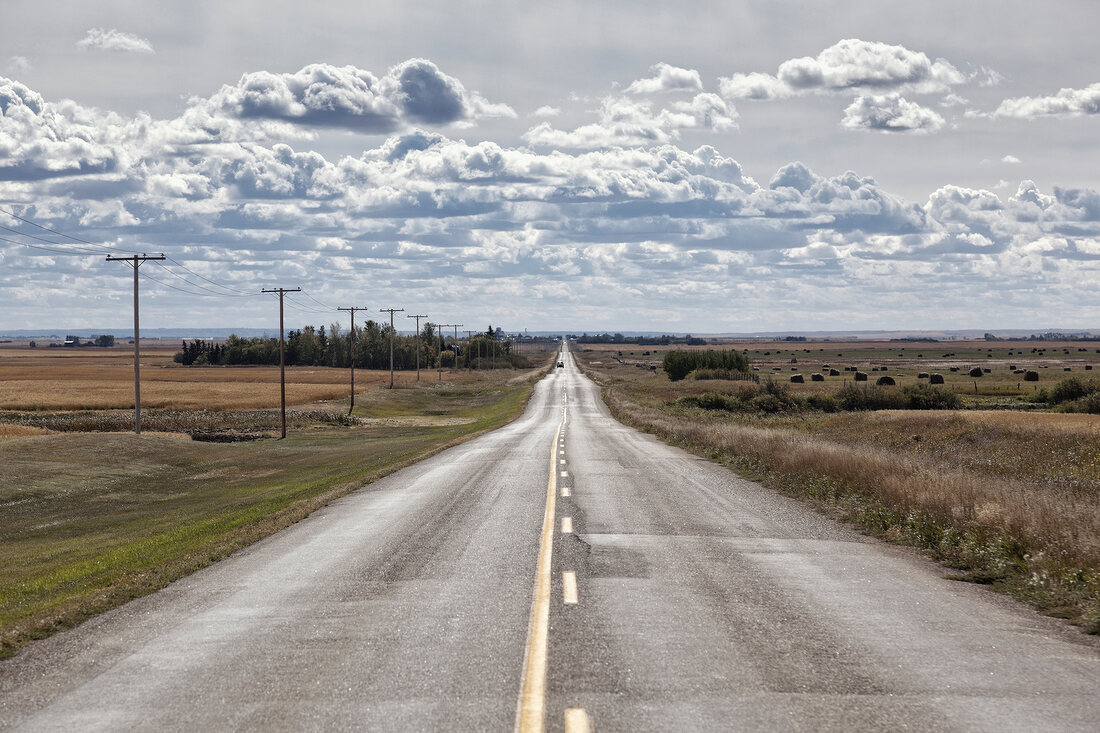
[454, 344]
[282, 352]
[417, 317]
[441, 327]
[351, 353]
[391, 311]
[135, 262]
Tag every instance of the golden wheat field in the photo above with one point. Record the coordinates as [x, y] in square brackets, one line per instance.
[97, 379]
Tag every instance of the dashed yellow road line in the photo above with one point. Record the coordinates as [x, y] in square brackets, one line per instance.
[531, 707]
[569, 587]
[576, 721]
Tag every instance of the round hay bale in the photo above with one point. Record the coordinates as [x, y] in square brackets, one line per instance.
[797, 379]
[886, 381]
[922, 375]
[954, 369]
[1068, 369]
[815, 377]
[1017, 371]
[975, 372]
[861, 376]
[1031, 376]
[1012, 367]
[836, 372]
[987, 371]
[935, 379]
[1088, 367]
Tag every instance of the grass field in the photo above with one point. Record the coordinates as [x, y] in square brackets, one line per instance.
[903, 361]
[89, 520]
[1003, 497]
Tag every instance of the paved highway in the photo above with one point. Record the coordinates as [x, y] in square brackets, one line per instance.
[570, 573]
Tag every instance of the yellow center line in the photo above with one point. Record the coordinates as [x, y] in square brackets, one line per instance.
[531, 707]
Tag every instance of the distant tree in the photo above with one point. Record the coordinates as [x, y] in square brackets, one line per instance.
[33, 344]
[106, 340]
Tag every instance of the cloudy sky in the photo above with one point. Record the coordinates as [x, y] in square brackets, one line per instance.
[692, 166]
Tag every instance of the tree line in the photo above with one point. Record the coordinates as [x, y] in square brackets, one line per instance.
[370, 349]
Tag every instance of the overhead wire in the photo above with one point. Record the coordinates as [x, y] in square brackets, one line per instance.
[209, 292]
[67, 236]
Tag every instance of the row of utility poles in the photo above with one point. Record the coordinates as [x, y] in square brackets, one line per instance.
[135, 261]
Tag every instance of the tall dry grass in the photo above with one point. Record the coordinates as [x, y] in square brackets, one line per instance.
[1038, 540]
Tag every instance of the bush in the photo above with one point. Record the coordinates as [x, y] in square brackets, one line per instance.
[926, 397]
[1069, 389]
[853, 397]
[678, 364]
[1089, 403]
[822, 402]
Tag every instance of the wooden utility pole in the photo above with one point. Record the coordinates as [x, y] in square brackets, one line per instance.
[351, 353]
[282, 352]
[135, 262]
[441, 327]
[391, 311]
[417, 317]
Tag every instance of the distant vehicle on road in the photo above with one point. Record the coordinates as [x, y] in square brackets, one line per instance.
[561, 364]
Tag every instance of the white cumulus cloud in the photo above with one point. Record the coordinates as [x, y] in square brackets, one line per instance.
[667, 78]
[1067, 102]
[890, 113]
[110, 39]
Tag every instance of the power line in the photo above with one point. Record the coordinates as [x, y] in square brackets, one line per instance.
[213, 282]
[67, 236]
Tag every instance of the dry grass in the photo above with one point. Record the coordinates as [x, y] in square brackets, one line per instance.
[19, 431]
[1011, 497]
[103, 379]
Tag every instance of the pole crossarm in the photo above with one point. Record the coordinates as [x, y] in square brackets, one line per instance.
[282, 351]
[135, 261]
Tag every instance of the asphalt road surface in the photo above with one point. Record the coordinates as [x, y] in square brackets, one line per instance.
[570, 573]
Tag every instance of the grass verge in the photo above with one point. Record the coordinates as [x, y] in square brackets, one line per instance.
[92, 520]
[1029, 526]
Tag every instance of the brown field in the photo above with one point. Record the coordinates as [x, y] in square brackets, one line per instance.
[103, 379]
[1009, 497]
[903, 361]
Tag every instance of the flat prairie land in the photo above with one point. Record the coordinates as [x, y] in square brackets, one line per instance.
[903, 361]
[1000, 496]
[91, 516]
[102, 379]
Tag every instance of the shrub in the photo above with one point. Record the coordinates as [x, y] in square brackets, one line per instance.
[1069, 389]
[1090, 403]
[822, 402]
[678, 364]
[865, 397]
[926, 397]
